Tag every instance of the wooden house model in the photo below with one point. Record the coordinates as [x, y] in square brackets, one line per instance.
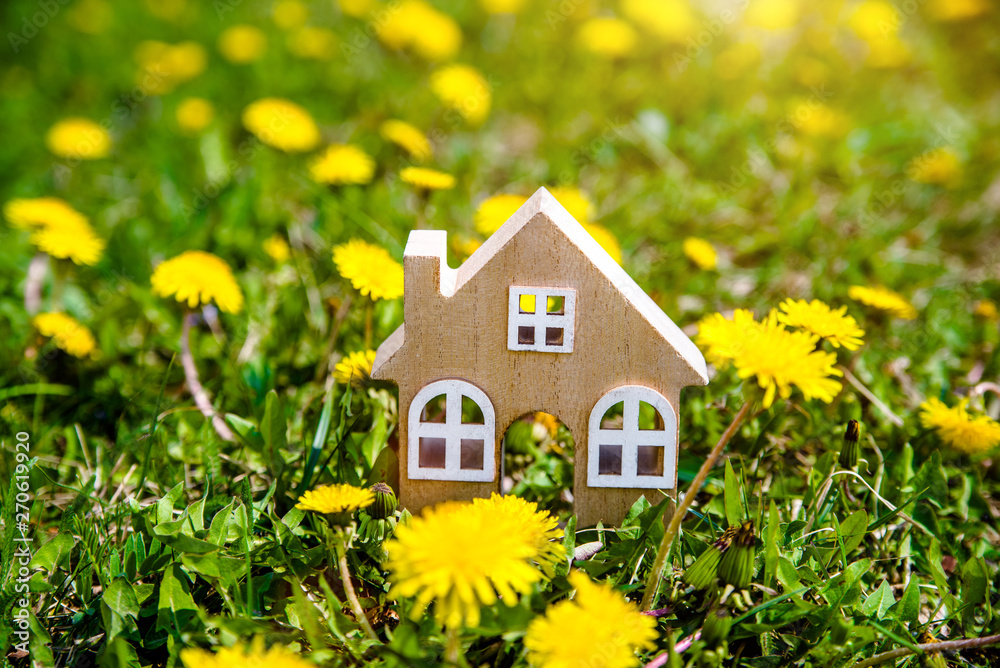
[539, 318]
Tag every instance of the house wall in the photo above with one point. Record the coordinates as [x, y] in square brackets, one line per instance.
[465, 336]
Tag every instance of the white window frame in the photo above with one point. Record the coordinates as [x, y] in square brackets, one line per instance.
[630, 437]
[540, 320]
[453, 430]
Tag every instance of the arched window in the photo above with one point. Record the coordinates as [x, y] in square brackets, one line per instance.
[451, 427]
[632, 440]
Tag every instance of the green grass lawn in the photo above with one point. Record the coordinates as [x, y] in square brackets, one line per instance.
[732, 155]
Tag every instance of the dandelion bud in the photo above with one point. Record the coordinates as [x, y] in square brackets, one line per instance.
[849, 453]
[715, 630]
[736, 564]
[385, 501]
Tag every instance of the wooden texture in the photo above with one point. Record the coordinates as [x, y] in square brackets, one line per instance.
[456, 326]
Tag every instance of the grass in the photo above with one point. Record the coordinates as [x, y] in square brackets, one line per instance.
[786, 149]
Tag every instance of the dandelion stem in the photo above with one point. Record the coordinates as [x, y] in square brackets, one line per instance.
[453, 646]
[656, 574]
[359, 612]
[201, 398]
[932, 647]
[33, 284]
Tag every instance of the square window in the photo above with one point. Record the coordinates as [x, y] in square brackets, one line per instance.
[472, 454]
[526, 303]
[432, 453]
[650, 460]
[556, 305]
[541, 319]
[553, 336]
[609, 460]
[526, 336]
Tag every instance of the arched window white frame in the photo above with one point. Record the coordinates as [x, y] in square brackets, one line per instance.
[467, 448]
[620, 457]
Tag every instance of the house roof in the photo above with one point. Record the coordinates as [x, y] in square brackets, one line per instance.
[433, 243]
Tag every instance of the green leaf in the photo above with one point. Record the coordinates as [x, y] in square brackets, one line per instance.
[931, 477]
[787, 575]
[375, 440]
[246, 431]
[219, 530]
[51, 555]
[274, 428]
[176, 606]
[908, 608]
[879, 602]
[734, 505]
[771, 552]
[165, 506]
[169, 534]
[853, 530]
[975, 581]
[120, 597]
[841, 589]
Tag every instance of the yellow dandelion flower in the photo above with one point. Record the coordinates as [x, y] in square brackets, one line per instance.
[282, 124]
[987, 309]
[605, 239]
[671, 20]
[336, 499]
[342, 164]
[78, 139]
[194, 114]
[462, 556]
[957, 10]
[162, 66]
[277, 248]
[700, 252]
[288, 14]
[310, 43]
[722, 339]
[772, 14]
[939, 166]
[370, 269]
[355, 367]
[70, 241]
[242, 44]
[883, 299]
[598, 627]
[875, 20]
[416, 25]
[817, 119]
[835, 326]
[538, 527]
[464, 89]
[780, 360]
[427, 179]
[249, 656]
[494, 212]
[407, 137]
[40, 212]
[958, 428]
[67, 333]
[502, 6]
[197, 277]
[575, 201]
[608, 37]
[548, 422]
[357, 8]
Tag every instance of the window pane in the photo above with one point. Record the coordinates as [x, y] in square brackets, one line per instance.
[553, 336]
[434, 410]
[556, 305]
[649, 417]
[613, 416]
[471, 412]
[527, 303]
[609, 460]
[650, 460]
[472, 454]
[432, 453]
[526, 335]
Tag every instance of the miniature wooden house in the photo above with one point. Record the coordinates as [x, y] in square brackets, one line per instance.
[539, 318]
